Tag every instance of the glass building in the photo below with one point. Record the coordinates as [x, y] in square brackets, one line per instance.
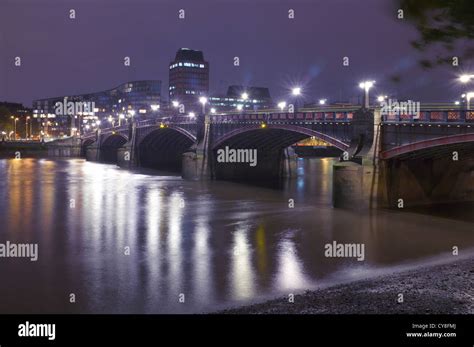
[65, 115]
[242, 98]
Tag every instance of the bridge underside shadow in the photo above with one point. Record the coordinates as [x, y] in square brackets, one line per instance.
[163, 149]
[275, 158]
[110, 147]
[437, 175]
[85, 145]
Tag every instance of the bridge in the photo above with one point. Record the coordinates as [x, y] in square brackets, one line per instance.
[386, 160]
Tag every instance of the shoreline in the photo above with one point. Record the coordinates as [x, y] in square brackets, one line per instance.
[446, 288]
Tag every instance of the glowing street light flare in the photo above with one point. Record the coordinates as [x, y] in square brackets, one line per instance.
[213, 110]
[366, 85]
[175, 103]
[155, 107]
[296, 91]
[282, 105]
[192, 115]
[245, 96]
[240, 107]
[465, 78]
[469, 96]
[322, 101]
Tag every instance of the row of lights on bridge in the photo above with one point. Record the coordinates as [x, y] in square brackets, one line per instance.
[297, 92]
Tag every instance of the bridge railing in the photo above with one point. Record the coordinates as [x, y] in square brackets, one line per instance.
[431, 116]
[333, 116]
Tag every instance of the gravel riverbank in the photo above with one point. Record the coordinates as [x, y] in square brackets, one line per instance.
[435, 289]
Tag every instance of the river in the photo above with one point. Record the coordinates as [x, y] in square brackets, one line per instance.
[145, 242]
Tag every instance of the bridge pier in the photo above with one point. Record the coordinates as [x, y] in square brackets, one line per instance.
[427, 181]
[93, 152]
[289, 163]
[357, 183]
[197, 161]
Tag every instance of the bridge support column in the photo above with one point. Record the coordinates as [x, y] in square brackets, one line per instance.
[358, 186]
[197, 161]
[93, 152]
[127, 157]
[289, 163]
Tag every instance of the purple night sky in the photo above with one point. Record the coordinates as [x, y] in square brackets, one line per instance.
[62, 56]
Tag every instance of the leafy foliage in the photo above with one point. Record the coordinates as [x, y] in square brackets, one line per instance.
[446, 24]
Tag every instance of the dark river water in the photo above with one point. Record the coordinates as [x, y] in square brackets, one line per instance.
[220, 244]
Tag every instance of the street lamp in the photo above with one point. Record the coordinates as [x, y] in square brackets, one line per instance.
[240, 107]
[245, 96]
[213, 110]
[466, 78]
[282, 105]
[203, 101]
[322, 101]
[468, 99]
[26, 127]
[192, 115]
[296, 93]
[16, 120]
[175, 104]
[155, 107]
[366, 85]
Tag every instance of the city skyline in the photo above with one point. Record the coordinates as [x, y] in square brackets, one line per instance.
[100, 39]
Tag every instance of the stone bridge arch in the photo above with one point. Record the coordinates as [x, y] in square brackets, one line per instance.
[110, 145]
[162, 147]
[270, 141]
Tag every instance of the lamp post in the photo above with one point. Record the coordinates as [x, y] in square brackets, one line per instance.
[26, 127]
[366, 85]
[13, 123]
[296, 92]
[203, 102]
[469, 96]
[281, 105]
[16, 120]
[465, 79]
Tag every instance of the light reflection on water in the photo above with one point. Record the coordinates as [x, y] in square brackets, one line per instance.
[218, 243]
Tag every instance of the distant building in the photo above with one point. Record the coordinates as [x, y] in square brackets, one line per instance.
[15, 108]
[188, 78]
[249, 98]
[137, 98]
